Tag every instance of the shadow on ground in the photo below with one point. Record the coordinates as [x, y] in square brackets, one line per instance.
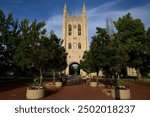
[75, 81]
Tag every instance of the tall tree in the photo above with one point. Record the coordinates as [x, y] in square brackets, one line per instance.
[99, 49]
[58, 55]
[118, 57]
[146, 55]
[86, 62]
[9, 40]
[97, 57]
[131, 34]
[32, 51]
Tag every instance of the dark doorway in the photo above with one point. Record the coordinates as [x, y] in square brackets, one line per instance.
[74, 69]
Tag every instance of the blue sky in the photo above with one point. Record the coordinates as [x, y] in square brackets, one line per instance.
[98, 11]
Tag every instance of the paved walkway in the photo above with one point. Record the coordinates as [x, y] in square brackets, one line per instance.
[78, 92]
[73, 92]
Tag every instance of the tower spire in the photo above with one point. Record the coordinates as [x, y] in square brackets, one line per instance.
[84, 10]
[65, 8]
[84, 7]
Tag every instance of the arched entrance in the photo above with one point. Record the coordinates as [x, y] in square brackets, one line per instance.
[74, 69]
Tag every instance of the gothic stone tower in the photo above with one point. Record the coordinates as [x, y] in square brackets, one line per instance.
[75, 37]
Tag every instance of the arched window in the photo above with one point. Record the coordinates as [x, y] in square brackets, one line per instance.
[79, 29]
[69, 29]
[79, 45]
[69, 45]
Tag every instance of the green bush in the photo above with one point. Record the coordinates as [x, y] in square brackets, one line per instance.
[36, 81]
[118, 82]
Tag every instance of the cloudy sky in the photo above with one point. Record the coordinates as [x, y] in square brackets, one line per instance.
[98, 11]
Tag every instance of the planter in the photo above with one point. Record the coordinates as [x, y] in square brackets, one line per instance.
[121, 93]
[58, 84]
[48, 85]
[36, 93]
[93, 84]
[87, 81]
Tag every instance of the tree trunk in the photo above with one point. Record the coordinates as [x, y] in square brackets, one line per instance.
[54, 79]
[41, 76]
[60, 74]
[118, 76]
[138, 74]
[97, 72]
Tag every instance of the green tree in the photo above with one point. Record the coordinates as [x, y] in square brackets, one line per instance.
[118, 57]
[86, 62]
[146, 56]
[131, 35]
[32, 51]
[96, 58]
[58, 55]
[9, 40]
[99, 50]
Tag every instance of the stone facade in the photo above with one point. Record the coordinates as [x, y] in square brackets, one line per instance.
[75, 37]
[131, 72]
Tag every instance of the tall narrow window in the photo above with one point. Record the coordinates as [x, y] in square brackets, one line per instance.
[69, 29]
[79, 45]
[79, 29]
[69, 45]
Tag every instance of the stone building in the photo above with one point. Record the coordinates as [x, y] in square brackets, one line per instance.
[75, 37]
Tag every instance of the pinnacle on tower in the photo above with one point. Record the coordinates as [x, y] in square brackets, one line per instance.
[84, 7]
[65, 8]
[84, 10]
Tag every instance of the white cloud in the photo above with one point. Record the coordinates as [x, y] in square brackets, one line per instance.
[143, 13]
[97, 17]
[103, 8]
[55, 23]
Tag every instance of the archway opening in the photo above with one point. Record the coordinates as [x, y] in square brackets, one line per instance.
[74, 69]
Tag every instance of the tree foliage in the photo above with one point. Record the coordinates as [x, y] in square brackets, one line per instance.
[131, 33]
[58, 55]
[129, 47]
[86, 62]
[37, 50]
[96, 58]
[9, 40]
[145, 68]
[24, 45]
